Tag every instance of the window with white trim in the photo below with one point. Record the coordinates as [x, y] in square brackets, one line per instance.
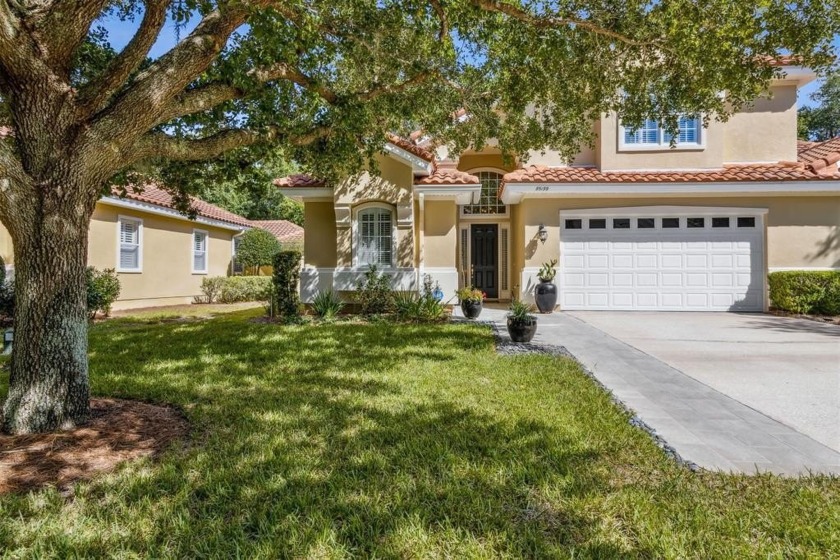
[375, 237]
[130, 257]
[489, 202]
[199, 251]
[651, 134]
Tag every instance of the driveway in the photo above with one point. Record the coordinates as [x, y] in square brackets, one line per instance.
[787, 369]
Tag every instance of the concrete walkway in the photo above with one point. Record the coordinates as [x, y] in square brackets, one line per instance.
[703, 425]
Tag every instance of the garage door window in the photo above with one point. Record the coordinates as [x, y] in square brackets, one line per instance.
[621, 223]
[646, 223]
[696, 222]
[574, 224]
[746, 222]
[598, 223]
[670, 223]
[720, 222]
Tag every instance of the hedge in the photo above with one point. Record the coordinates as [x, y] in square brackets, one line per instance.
[806, 291]
[245, 288]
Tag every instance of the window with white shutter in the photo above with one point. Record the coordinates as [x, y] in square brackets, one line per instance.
[199, 251]
[130, 258]
[652, 135]
[375, 237]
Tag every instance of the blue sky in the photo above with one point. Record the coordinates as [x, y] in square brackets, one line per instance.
[120, 32]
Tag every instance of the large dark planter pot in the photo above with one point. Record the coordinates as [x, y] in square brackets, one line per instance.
[545, 295]
[520, 331]
[471, 309]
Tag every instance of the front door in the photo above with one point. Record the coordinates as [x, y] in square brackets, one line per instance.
[485, 258]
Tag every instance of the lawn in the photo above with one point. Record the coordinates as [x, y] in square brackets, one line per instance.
[354, 440]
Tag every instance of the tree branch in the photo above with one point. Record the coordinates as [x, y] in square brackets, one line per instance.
[549, 21]
[95, 94]
[64, 25]
[155, 145]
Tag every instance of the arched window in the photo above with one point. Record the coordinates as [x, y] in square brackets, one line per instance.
[489, 202]
[375, 236]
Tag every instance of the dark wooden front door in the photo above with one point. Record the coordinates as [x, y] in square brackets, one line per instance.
[485, 258]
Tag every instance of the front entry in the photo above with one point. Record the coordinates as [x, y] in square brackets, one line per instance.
[485, 258]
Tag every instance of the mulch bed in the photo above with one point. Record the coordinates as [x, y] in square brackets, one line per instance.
[118, 431]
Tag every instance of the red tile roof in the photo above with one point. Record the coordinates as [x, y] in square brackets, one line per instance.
[821, 157]
[152, 194]
[299, 180]
[283, 230]
[803, 145]
[445, 173]
[411, 147]
[729, 173]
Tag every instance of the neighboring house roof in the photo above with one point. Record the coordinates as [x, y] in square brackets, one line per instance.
[152, 194]
[445, 173]
[283, 230]
[409, 145]
[821, 157]
[729, 173]
[803, 145]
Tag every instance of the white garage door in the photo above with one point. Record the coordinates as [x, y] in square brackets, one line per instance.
[657, 258]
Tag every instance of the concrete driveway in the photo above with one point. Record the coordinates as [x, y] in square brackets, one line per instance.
[788, 369]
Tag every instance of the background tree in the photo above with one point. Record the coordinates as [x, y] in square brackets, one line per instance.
[324, 81]
[823, 121]
[257, 248]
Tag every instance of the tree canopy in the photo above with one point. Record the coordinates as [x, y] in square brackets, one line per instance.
[324, 81]
[823, 121]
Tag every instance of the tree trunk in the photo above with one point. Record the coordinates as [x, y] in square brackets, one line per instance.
[49, 370]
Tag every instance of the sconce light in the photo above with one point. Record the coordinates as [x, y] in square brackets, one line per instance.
[542, 233]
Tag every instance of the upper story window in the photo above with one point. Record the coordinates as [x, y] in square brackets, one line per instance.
[652, 136]
[130, 239]
[489, 202]
[375, 236]
[199, 251]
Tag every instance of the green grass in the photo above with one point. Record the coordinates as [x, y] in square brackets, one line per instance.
[353, 440]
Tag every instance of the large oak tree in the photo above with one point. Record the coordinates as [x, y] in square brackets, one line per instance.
[324, 80]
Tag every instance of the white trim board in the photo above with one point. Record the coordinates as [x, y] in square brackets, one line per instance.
[515, 192]
[168, 212]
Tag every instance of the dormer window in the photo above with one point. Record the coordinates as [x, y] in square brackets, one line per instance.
[652, 136]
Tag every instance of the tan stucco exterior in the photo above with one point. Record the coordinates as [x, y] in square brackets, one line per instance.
[801, 231]
[765, 132]
[319, 243]
[166, 277]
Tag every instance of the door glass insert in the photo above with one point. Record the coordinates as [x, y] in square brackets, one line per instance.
[598, 223]
[696, 222]
[646, 223]
[670, 223]
[621, 223]
[746, 221]
[720, 222]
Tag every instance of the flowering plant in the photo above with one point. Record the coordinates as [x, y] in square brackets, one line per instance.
[471, 295]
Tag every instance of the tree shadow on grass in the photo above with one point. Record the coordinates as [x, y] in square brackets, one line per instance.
[309, 446]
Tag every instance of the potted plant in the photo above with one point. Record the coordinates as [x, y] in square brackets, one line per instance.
[471, 300]
[545, 293]
[521, 322]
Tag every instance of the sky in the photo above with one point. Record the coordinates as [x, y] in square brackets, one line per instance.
[120, 32]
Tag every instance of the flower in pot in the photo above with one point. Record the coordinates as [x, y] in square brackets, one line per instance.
[471, 300]
[545, 293]
[521, 322]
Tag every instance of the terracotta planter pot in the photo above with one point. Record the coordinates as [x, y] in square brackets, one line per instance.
[545, 296]
[471, 309]
[521, 331]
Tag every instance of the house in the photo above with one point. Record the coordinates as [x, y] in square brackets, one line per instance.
[160, 255]
[290, 235]
[634, 223]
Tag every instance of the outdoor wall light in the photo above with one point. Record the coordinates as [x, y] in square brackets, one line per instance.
[542, 233]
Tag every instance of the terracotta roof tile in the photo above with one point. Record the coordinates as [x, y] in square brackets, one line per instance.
[446, 173]
[804, 145]
[729, 173]
[411, 147]
[299, 180]
[283, 230]
[152, 194]
[822, 157]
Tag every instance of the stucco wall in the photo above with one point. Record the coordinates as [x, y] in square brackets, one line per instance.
[710, 157]
[166, 275]
[765, 132]
[801, 231]
[6, 247]
[319, 243]
[441, 234]
[469, 161]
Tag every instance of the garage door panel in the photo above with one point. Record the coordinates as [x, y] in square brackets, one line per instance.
[674, 269]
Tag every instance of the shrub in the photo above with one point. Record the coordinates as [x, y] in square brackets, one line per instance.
[103, 289]
[521, 312]
[806, 291]
[212, 288]
[374, 293]
[327, 305]
[257, 248]
[245, 288]
[422, 308]
[470, 294]
[286, 276]
[2, 271]
[7, 299]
